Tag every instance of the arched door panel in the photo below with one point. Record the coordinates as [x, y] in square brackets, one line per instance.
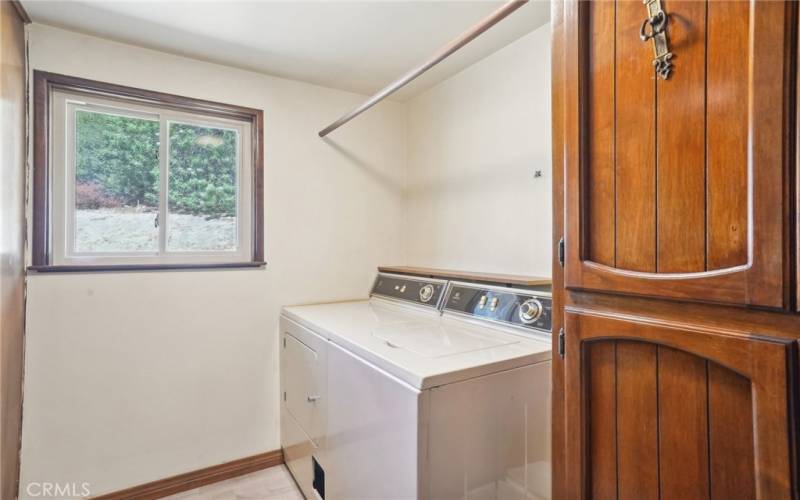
[668, 411]
[674, 187]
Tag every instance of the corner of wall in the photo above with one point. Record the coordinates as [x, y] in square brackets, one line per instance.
[405, 229]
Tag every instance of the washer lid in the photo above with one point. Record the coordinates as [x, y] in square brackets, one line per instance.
[437, 340]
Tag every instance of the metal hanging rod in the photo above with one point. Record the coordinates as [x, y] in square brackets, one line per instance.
[463, 39]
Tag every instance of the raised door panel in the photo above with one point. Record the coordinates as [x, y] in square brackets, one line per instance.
[666, 411]
[303, 370]
[674, 187]
[303, 363]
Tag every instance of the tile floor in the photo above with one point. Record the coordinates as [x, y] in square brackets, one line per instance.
[274, 483]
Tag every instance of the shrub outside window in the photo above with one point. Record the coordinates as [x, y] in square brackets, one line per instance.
[141, 179]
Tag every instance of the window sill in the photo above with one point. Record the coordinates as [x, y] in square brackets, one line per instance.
[144, 267]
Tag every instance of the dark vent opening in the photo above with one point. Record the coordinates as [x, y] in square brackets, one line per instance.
[319, 479]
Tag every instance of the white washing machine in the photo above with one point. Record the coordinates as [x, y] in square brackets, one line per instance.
[429, 389]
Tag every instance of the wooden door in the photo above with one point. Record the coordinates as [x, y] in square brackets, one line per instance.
[676, 187]
[670, 411]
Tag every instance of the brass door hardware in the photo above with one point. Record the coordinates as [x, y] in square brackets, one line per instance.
[657, 21]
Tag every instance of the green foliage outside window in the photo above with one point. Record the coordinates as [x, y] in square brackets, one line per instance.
[202, 170]
[118, 158]
[117, 164]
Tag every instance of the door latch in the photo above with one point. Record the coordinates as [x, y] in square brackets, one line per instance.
[655, 28]
[562, 348]
[561, 252]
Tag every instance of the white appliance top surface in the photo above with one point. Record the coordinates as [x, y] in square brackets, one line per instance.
[418, 346]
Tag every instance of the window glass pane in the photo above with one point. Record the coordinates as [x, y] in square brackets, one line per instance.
[203, 165]
[116, 183]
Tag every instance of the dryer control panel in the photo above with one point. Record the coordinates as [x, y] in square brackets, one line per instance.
[426, 292]
[530, 309]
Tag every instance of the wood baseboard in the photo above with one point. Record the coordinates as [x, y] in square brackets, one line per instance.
[195, 479]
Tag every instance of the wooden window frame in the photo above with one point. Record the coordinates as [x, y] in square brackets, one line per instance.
[45, 83]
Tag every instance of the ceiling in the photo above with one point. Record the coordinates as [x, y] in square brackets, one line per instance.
[356, 46]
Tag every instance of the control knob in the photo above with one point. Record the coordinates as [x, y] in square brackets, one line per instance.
[530, 311]
[426, 293]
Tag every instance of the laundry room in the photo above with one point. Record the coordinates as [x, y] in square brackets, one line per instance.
[394, 249]
[148, 358]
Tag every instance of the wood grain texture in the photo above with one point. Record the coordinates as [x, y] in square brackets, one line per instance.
[706, 316]
[509, 279]
[755, 344]
[727, 130]
[681, 177]
[195, 479]
[763, 403]
[762, 279]
[602, 406]
[682, 425]
[793, 185]
[774, 56]
[142, 267]
[635, 144]
[257, 136]
[600, 134]
[567, 148]
[40, 243]
[12, 233]
[558, 438]
[732, 466]
[637, 421]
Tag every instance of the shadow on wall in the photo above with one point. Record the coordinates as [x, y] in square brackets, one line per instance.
[383, 179]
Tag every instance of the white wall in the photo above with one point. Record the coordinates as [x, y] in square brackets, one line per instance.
[474, 142]
[132, 377]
